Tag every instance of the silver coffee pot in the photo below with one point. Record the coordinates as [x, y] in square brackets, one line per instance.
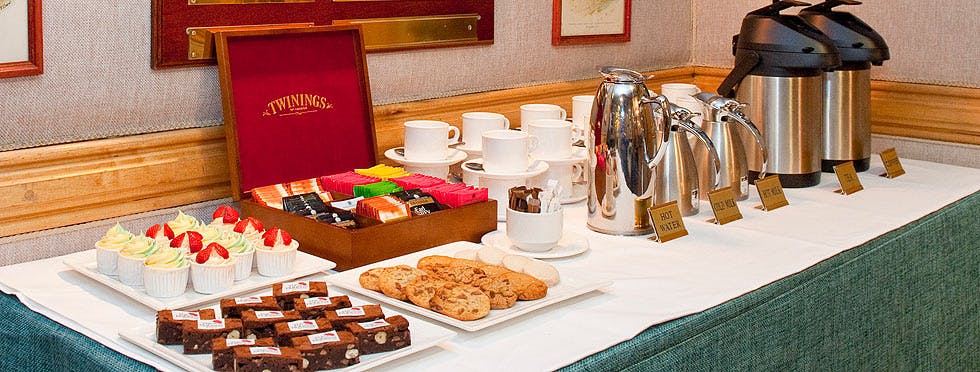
[721, 116]
[677, 175]
[626, 140]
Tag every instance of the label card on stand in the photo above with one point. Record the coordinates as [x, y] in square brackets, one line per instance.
[848, 178]
[771, 193]
[724, 206]
[667, 222]
[893, 166]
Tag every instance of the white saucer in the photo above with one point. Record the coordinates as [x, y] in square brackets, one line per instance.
[571, 244]
[579, 154]
[455, 156]
[579, 193]
[536, 169]
[471, 151]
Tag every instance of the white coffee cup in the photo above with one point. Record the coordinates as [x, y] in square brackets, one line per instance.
[535, 111]
[535, 232]
[506, 151]
[582, 111]
[555, 138]
[566, 175]
[427, 140]
[475, 123]
[674, 90]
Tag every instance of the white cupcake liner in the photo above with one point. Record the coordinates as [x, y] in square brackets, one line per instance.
[130, 270]
[243, 265]
[276, 263]
[165, 282]
[210, 279]
[106, 260]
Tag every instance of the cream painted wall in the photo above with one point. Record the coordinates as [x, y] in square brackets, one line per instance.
[934, 42]
[98, 82]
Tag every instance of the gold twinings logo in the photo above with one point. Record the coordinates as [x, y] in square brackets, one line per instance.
[297, 104]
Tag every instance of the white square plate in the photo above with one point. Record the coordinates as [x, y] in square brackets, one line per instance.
[424, 335]
[572, 284]
[306, 264]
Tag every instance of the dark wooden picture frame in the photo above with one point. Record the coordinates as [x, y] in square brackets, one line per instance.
[34, 65]
[558, 39]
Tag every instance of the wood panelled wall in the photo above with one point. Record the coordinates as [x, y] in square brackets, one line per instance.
[61, 185]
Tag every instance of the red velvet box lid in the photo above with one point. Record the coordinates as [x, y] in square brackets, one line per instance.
[297, 104]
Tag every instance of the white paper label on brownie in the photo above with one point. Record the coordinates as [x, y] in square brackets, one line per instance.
[302, 325]
[268, 314]
[295, 287]
[317, 301]
[185, 315]
[232, 342]
[265, 350]
[374, 324]
[320, 338]
[211, 324]
[248, 300]
[351, 311]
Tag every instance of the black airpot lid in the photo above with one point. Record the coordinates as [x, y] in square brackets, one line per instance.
[857, 42]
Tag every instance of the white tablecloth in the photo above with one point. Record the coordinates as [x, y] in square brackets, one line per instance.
[653, 282]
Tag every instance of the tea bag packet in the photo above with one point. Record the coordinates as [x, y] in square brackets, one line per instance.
[306, 186]
[343, 219]
[417, 181]
[344, 182]
[383, 208]
[467, 195]
[308, 204]
[419, 203]
[270, 196]
[384, 172]
[376, 189]
[347, 204]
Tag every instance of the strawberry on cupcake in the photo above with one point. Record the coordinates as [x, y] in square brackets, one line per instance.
[251, 228]
[161, 233]
[224, 218]
[276, 255]
[188, 243]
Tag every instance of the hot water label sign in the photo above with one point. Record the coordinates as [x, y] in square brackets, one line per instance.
[848, 178]
[667, 222]
[893, 166]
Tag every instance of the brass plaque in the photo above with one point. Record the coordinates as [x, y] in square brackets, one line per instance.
[200, 40]
[724, 206]
[771, 193]
[848, 178]
[667, 222]
[407, 32]
[893, 166]
[233, 2]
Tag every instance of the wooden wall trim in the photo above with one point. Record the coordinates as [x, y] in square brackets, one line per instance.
[61, 185]
[934, 112]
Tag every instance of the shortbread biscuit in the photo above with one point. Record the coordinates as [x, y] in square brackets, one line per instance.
[515, 262]
[369, 279]
[393, 280]
[421, 290]
[501, 291]
[543, 271]
[491, 255]
[528, 287]
[461, 302]
[469, 254]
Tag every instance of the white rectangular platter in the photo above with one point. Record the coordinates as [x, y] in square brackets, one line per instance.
[424, 335]
[306, 264]
[572, 284]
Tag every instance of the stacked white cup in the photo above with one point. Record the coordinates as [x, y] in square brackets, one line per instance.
[427, 146]
[682, 95]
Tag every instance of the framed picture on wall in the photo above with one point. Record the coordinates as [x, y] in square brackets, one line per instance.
[20, 38]
[590, 22]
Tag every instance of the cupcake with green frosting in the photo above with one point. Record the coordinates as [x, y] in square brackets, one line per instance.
[107, 249]
[209, 234]
[165, 273]
[182, 223]
[131, 258]
[243, 251]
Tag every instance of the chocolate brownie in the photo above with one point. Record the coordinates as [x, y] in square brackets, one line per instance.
[285, 293]
[259, 324]
[197, 336]
[313, 307]
[170, 322]
[328, 350]
[287, 330]
[338, 318]
[223, 353]
[267, 358]
[233, 307]
[381, 335]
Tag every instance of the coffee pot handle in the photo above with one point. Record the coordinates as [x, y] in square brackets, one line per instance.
[690, 127]
[663, 132]
[737, 114]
